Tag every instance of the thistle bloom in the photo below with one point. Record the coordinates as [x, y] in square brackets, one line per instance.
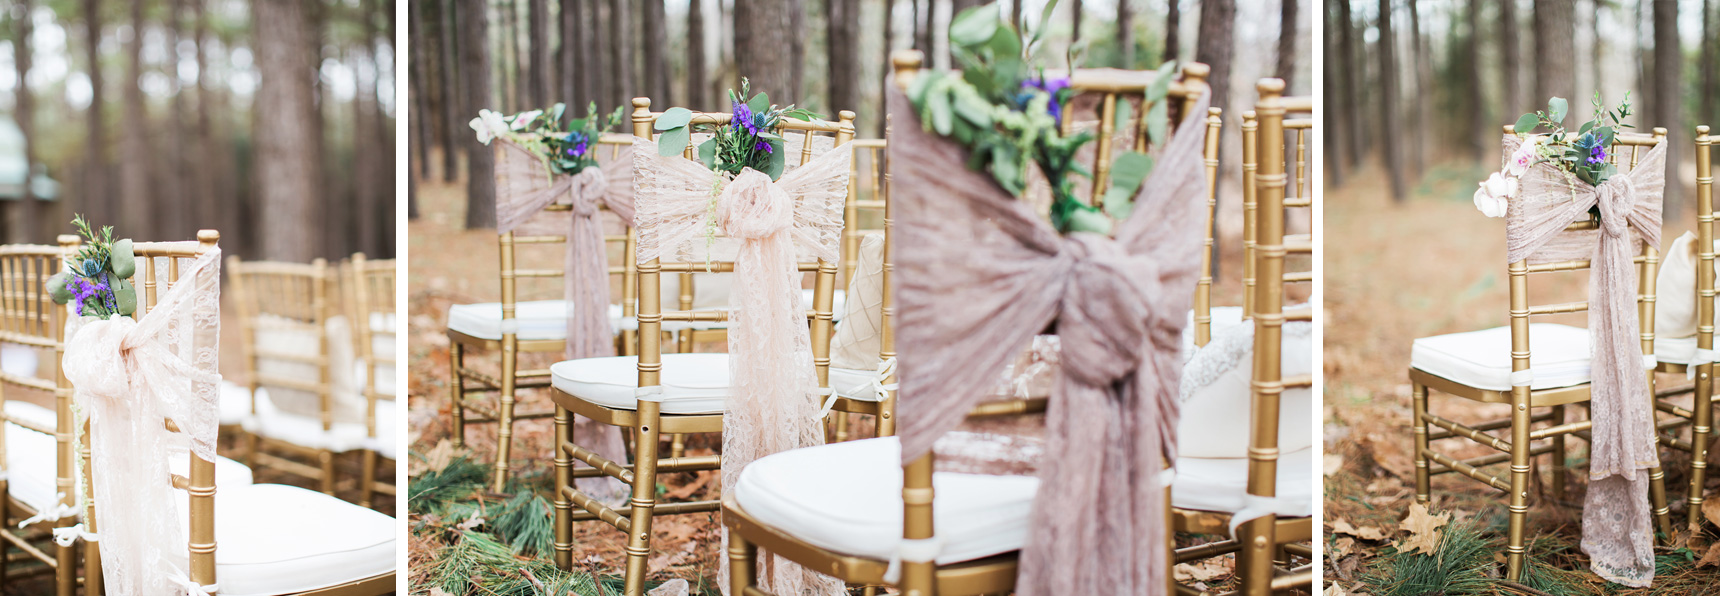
[743, 117]
[580, 144]
[1050, 87]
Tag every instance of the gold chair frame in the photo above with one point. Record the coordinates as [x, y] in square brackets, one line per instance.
[511, 379]
[1520, 449]
[883, 410]
[369, 290]
[29, 317]
[1700, 416]
[200, 484]
[1302, 127]
[647, 422]
[299, 291]
[1259, 541]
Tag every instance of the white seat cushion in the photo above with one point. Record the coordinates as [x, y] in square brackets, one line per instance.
[235, 403]
[547, 319]
[847, 497]
[1219, 484]
[278, 539]
[30, 467]
[307, 431]
[692, 383]
[1217, 395]
[854, 384]
[1559, 355]
[1223, 317]
[1675, 350]
[18, 360]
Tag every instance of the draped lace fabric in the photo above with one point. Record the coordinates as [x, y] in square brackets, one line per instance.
[524, 187]
[980, 274]
[129, 377]
[773, 403]
[1616, 516]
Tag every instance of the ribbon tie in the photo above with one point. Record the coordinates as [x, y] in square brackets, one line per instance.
[1102, 318]
[1616, 525]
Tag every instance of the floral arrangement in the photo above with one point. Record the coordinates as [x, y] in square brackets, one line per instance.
[1580, 156]
[565, 150]
[747, 141]
[1007, 113]
[95, 280]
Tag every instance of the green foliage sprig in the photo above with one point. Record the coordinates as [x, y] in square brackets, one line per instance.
[95, 282]
[568, 149]
[1583, 154]
[749, 140]
[1009, 115]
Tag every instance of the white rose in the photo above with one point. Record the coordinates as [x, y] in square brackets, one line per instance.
[1492, 198]
[488, 125]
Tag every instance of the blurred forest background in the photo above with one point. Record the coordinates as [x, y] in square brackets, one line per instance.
[269, 120]
[825, 55]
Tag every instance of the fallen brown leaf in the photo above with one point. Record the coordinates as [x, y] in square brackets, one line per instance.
[1203, 570]
[1344, 546]
[1364, 533]
[1711, 508]
[1712, 559]
[1423, 530]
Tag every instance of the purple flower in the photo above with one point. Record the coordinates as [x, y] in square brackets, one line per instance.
[1050, 87]
[743, 118]
[580, 143]
[763, 146]
[1597, 155]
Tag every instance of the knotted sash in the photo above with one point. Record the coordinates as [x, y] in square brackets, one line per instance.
[1616, 529]
[981, 275]
[130, 376]
[773, 402]
[523, 189]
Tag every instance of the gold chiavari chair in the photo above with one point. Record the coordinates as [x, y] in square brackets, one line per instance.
[514, 327]
[36, 470]
[1693, 355]
[1473, 366]
[324, 547]
[303, 401]
[856, 389]
[1299, 128]
[371, 310]
[1263, 501]
[695, 385]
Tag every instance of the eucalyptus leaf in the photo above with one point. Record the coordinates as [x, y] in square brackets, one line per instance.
[759, 103]
[1005, 45]
[1161, 85]
[125, 296]
[1088, 219]
[673, 118]
[1006, 166]
[1125, 115]
[708, 153]
[778, 159]
[1158, 120]
[122, 259]
[974, 26]
[1044, 21]
[673, 141]
[555, 112]
[939, 104]
[56, 287]
[1526, 123]
[1556, 108]
[973, 109]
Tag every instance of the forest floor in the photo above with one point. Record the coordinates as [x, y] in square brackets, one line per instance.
[1431, 265]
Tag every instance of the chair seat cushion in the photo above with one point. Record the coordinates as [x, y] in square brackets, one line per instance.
[1223, 317]
[278, 539]
[692, 383]
[547, 319]
[1559, 354]
[307, 431]
[1675, 350]
[235, 403]
[847, 497]
[1217, 394]
[30, 467]
[1219, 484]
[854, 384]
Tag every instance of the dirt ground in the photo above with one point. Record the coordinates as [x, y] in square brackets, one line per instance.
[1428, 266]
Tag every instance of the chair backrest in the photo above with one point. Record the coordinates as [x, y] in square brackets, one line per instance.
[509, 242]
[651, 315]
[870, 182]
[284, 310]
[1704, 240]
[376, 327]
[32, 323]
[1299, 128]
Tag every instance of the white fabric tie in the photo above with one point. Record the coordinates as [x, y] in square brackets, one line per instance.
[916, 550]
[879, 390]
[1650, 362]
[51, 514]
[1523, 378]
[510, 327]
[1702, 357]
[1255, 507]
[193, 588]
[69, 534]
[829, 401]
[653, 393]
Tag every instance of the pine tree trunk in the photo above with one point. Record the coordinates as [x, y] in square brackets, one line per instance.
[1173, 27]
[98, 202]
[1510, 52]
[603, 51]
[1126, 33]
[1014, 12]
[842, 32]
[225, 214]
[1483, 140]
[480, 163]
[452, 104]
[1288, 26]
[890, 47]
[538, 23]
[1075, 15]
[289, 226]
[382, 210]
[759, 52]
[696, 80]
[1555, 53]
[365, 140]
[621, 24]
[175, 206]
[796, 55]
[25, 222]
[1215, 46]
[1667, 97]
[420, 134]
[1418, 101]
[1347, 71]
[924, 12]
[1334, 132]
[1390, 125]
[572, 83]
[1709, 112]
[134, 208]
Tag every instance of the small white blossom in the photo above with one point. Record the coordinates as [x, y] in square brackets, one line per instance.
[522, 120]
[1526, 155]
[1495, 194]
[489, 125]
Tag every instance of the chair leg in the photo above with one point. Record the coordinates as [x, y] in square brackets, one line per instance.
[644, 500]
[841, 426]
[457, 392]
[65, 566]
[1519, 508]
[563, 480]
[367, 484]
[677, 445]
[1699, 437]
[505, 422]
[1558, 457]
[1418, 395]
[742, 557]
[326, 459]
